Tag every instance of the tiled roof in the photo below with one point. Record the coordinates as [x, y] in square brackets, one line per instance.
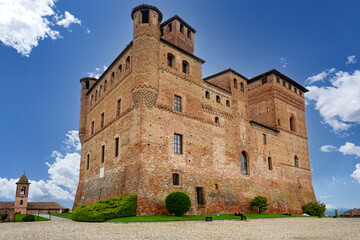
[44, 205]
[7, 204]
[355, 212]
[23, 179]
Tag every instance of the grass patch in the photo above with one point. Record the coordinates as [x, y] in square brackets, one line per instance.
[18, 218]
[63, 215]
[165, 218]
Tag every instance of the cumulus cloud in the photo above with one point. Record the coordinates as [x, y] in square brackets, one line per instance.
[329, 206]
[356, 174]
[68, 19]
[283, 62]
[24, 23]
[328, 148]
[63, 176]
[321, 76]
[350, 149]
[351, 60]
[97, 73]
[338, 104]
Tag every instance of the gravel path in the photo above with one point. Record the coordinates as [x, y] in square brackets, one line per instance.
[284, 228]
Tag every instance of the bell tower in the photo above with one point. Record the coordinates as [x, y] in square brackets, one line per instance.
[22, 192]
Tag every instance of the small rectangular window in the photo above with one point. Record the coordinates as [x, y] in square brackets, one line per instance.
[88, 162]
[116, 147]
[189, 33]
[264, 80]
[178, 143]
[92, 127]
[177, 103]
[270, 163]
[102, 119]
[170, 27]
[264, 138]
[118, 110]
[103, 153]
[145, 16]
[181, 28]
[200, 196]
[176, 179]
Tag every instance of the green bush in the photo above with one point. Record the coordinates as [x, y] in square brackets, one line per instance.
[122, 206]
[260, 202]
[65, 210]
[178, 203]
[3, 216]
[314, 208]
[28, 218]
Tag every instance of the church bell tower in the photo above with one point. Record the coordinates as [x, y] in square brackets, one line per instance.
[22, 192]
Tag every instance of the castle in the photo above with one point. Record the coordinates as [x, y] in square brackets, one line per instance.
[151, 125]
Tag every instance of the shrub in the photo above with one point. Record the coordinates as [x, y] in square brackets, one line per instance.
[314, 208]
[3, 216]
[28, 218]
[260, 202]
[65, 210]
[178, 203]
[122, 206]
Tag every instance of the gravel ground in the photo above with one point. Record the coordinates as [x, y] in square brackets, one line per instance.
[284, 228]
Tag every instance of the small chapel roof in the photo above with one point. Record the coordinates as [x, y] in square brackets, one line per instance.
[23, 179]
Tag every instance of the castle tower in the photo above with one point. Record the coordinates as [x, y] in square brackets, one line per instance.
[145, 60]
[21, 197]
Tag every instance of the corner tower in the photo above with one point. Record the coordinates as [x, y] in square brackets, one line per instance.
[22, 192]
[86, 84]
[146, 47]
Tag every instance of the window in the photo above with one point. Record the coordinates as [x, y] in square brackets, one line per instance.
[189, 33]
[118, 108]
[264, 80]
[216, 120]
[162, 32]
[170, 27]
[177, 143]
[235, 83]
[277, 79]
[92, 99]
[218, 100]
[177, 103]
[103, 153]
[101, 90]
[264, 138]
[21, 202]
[216, 186]
[207, 94]
[185, 66]
[105, 85]
[290, 87]
[181, 28]
[170, 60]
[119, 70]
[92, 127]
[176, 179]
[242, 87]
[228, 103]
[96, 93]
[300, 92]
[284, 83]
[295, 89]
[22, 190]
[88, 162]
[145, 16]
[296, 161]
[292, 124]
[112, 78]
[116, 153]
[270, 163]
[102, 119]
[127, 62]
[200, 196]
[244, 163]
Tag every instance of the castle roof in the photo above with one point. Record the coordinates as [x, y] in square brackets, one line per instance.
[280, 75]
[23, 179]
[180, 20]
[7, 205]
[146, 6]
[44, 205]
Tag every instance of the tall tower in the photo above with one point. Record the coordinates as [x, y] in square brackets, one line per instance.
[145, 60]
[22, 192]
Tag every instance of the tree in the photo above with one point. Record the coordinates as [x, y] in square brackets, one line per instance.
[261, 203]
[178, 203]
[314, 208]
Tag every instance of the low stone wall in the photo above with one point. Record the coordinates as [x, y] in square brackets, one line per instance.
[10, 216]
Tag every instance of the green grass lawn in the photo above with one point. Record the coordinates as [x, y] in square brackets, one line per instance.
[18, 218]
[162, 218]
[63, 215]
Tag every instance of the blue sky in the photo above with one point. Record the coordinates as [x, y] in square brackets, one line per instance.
[48, 46]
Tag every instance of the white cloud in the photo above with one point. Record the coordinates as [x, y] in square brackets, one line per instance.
[325, 197]
[284, 62]
[68, 19]
[321, 76]
[328, 148]
[350, 149]
[24, 23]
[333, 178]
[339, 104]
[356, 174]
[97, 73]
[351, 60]
[329, 206]
[63, 176]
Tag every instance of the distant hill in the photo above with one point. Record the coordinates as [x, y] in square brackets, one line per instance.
[331, 211]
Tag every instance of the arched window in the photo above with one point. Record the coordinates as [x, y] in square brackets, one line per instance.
[101, 90]
[119, 70]
[242, 87]
[296, 161]
[22, 190]
[292, 123]
[185, 67]
[112, 78]
[127, 62]
[218, 100]
[235, 83]
[170, 60]
[21, 202]
[216, 120]
[105, 85]
[207, 94]
[244, 163]
[228, 103]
